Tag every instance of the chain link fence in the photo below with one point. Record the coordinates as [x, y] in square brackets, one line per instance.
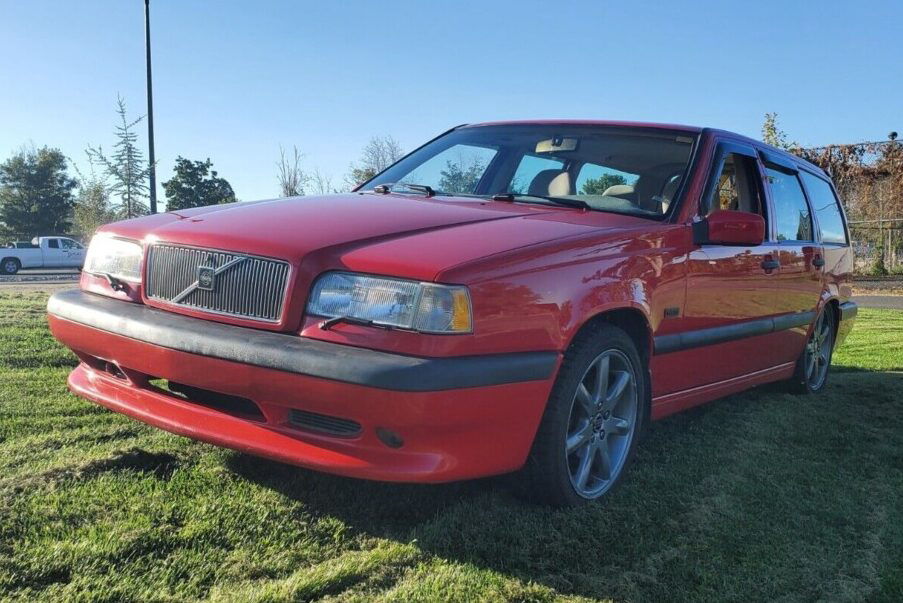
[878, 246]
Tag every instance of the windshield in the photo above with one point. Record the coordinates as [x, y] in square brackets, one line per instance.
[619, 169]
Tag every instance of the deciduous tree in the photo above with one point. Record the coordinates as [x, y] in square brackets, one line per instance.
[195, 184]
[378, 154]
[92, 206]
[292, 177]
[36, 193]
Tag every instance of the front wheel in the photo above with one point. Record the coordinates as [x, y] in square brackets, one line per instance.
[815, 361]
[9, 266]
[589, 430]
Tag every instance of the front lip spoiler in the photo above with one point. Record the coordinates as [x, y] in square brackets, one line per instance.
[294, 354]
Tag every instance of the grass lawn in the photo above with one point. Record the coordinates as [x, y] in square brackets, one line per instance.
[758, 496]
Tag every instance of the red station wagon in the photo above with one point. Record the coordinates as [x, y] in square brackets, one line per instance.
[509, 296]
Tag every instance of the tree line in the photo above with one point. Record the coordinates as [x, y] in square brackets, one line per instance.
[40, 196]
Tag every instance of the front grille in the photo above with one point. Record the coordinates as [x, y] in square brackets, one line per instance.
[324, 423]
[239, 285]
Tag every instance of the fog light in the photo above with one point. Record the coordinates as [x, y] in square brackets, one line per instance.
[389, 437]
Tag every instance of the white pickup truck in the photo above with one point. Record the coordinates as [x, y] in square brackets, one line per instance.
[44, 252]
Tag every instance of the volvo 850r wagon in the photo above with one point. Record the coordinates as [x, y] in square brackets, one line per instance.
[519, 296]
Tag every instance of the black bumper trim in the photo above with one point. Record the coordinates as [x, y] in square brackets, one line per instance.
[676, 342]
[293, 354]
[848, 310]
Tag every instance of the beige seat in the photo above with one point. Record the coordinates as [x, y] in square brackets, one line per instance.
[625, 191]
[551, 183]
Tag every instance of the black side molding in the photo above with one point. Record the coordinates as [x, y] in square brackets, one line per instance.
[300, 355]
[848, 310]
[676, 342]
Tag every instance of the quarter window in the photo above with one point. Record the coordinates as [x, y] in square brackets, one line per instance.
[826, 208]
[737, 187]
[792, 219]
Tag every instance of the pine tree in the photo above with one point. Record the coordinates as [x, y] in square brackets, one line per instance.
[126, 168]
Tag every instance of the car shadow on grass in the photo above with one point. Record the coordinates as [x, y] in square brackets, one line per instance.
[715, 496]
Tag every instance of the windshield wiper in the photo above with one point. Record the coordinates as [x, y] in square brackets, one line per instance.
[511, 197]
[420, 188]
[115, 283]
[352, 320]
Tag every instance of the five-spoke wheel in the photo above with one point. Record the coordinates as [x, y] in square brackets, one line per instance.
[601, 423]
[588, 432]
[812, 366]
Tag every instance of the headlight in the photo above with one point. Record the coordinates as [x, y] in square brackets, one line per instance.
[425, 307]
[118, 258]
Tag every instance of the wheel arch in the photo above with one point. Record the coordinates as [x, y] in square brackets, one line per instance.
[635, 323]
[829, 301]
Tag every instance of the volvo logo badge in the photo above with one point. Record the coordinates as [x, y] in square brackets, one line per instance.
[206, 278]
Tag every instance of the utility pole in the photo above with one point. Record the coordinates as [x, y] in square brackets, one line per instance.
[150, 113]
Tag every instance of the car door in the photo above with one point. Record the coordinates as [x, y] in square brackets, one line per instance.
[73, 254]
[51, 252]
[730, 288]
[800, 278]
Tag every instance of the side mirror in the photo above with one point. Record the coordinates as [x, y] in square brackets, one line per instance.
[724, 227]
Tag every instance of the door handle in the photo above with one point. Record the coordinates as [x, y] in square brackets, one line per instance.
[769, 265]
[818, 262]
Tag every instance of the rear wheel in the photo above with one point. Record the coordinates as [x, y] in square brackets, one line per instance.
[589, 430]
[815, 361]
[9, 265]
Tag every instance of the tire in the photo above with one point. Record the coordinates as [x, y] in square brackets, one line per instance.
[585, 440]
[814, 363]
[9, 265]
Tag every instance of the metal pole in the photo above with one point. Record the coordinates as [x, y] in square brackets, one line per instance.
[152, 171]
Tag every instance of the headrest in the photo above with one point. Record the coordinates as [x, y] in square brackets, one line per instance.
[552, 183]
[618, 190]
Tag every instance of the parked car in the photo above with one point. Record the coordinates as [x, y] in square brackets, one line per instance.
[510, 296]
[43, 252]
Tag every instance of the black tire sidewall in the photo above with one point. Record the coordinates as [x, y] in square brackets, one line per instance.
[551, 480]
[6, 260]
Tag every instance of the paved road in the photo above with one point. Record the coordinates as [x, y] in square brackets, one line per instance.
[894, 302]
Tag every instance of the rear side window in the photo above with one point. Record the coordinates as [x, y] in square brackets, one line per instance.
[792, 219]
[826, 208]
[53, 243]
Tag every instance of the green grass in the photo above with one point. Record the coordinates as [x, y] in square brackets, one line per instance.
[758, 496]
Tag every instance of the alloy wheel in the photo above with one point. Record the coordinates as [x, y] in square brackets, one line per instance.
[602, 423]
[818, 352]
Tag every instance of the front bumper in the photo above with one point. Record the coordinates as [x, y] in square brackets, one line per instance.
[458, 417]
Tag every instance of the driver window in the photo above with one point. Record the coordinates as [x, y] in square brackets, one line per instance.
[67, 243]
[736, 188]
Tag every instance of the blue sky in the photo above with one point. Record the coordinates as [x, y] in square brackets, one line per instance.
[235, 79]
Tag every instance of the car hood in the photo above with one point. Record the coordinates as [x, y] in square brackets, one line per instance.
[406, 236]
[328, 230]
